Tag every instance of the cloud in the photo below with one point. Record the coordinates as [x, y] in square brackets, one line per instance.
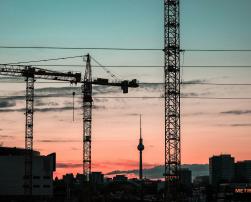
[236, 125]
[155, 87]
[40, 102]
[195, 114]
[7, 103]
[159, 88]
[12, 110]
[237, 112]
[189, 94]
[67, 91]
[75, 148]
[152, 87]
[99, 100]
[121, 163]
[157, 171]
[194, 81]
[241, 125]
[97, 90]
[132, 114]
[8, 79]
[57, 92]
[154, 172]
[57, 141]
[51, 109]
[132, 163]
[47, 92]
[69, 165]
[5, 136]
[14, 98]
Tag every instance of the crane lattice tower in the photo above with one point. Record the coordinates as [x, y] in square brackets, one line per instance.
[172, 98]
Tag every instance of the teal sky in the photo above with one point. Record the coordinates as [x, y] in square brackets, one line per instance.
[137, 23]
[81, 23]
[207, 24]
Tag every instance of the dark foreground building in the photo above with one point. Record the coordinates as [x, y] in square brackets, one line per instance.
[230, 181]
[12, 161]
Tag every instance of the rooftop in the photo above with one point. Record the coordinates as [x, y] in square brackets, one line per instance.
[14, 151]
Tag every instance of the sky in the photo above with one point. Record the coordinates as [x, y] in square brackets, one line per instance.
[208, 127]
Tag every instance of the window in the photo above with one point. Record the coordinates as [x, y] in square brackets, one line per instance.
[36, 177]
[46, 186]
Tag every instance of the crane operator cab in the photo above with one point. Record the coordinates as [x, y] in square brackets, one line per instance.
[125, 84]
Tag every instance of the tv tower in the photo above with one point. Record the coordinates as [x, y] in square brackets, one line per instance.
[140, 148]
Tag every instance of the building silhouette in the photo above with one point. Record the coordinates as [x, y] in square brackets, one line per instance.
[12, 172]
[221, 169]
[186, 177]
[120, 178]
[97, 178]
[243, 171]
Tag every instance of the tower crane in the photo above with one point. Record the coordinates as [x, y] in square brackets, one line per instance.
[30, 74]
[172, 98]
[87, 113]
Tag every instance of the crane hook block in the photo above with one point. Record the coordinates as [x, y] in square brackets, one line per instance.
[124, 86]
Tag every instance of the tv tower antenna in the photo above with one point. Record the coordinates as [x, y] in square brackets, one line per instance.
[140, 148]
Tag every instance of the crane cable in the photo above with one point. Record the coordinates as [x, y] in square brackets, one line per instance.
[105, 69]
[45, 60]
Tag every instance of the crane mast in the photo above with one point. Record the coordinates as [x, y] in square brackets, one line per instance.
[30, 74]
[29, 134]
[172, 98]
[87, 119]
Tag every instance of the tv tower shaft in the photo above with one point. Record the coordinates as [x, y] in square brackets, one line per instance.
[140, 148]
